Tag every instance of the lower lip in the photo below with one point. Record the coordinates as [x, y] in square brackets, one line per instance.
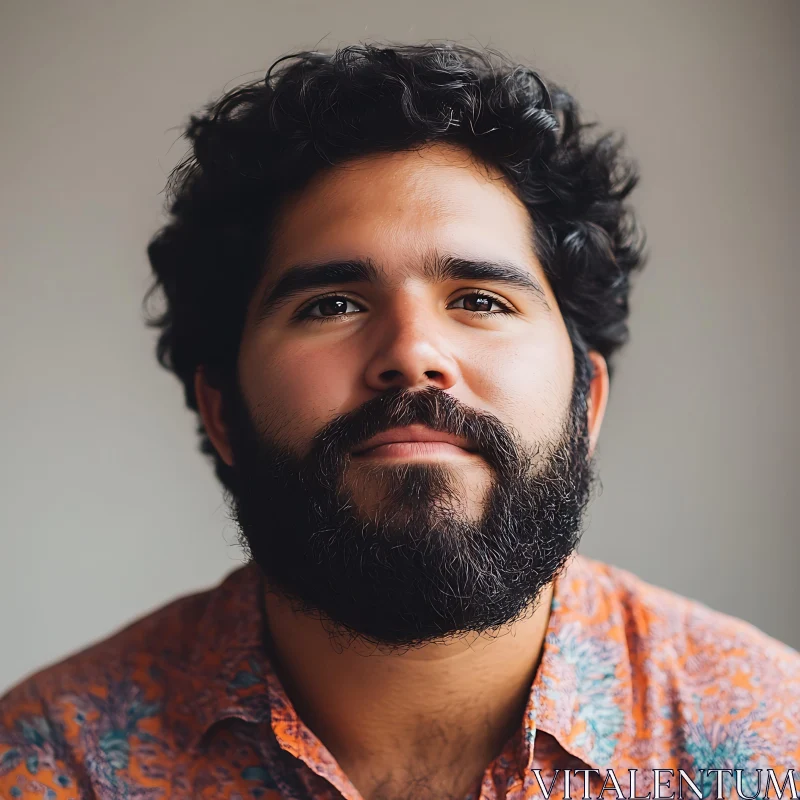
[412, 451]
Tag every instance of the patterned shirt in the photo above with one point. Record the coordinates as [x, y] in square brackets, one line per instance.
[185, 704]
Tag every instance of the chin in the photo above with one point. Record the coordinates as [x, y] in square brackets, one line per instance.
[422, 494]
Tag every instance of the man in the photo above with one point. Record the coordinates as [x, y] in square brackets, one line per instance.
[395, 278]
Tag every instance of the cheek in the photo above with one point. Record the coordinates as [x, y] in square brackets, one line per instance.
[527, 380]
[295, 389]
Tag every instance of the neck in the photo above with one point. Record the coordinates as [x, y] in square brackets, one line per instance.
[375, 709]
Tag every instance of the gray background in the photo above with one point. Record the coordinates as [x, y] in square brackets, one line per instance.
[107, 508]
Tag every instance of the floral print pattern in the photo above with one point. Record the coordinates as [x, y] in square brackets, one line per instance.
[185, 704]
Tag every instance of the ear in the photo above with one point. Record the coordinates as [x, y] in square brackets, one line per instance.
[597, 399]
[209, 404]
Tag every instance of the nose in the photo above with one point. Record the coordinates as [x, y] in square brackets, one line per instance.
[410, 353]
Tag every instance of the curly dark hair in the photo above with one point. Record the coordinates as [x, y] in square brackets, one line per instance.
[267, 138]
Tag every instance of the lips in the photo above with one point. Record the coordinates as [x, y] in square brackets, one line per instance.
[413, 433]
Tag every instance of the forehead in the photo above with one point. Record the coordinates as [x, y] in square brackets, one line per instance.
[392, 207]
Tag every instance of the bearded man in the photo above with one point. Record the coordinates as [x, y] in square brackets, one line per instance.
[395, 279]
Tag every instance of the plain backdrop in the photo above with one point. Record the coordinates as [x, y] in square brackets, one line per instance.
[108, 509]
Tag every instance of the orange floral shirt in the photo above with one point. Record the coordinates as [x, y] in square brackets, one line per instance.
[184, 704]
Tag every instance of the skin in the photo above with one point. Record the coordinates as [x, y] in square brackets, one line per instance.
[438, 714]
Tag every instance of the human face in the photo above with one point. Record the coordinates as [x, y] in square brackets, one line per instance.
[427, 278]
[438, 322]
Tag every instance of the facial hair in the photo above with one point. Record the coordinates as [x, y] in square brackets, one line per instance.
[417, 570]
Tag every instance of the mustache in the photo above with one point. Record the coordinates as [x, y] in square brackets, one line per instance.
[432, 407]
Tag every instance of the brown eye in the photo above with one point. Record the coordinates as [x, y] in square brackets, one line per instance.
[479, 303]
[333, 306]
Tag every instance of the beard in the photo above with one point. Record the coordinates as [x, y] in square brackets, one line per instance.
[416, 568]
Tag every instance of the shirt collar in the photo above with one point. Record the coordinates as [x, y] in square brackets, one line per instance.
[227, 674]
[583, 692]
[581, 695]
[231, 676]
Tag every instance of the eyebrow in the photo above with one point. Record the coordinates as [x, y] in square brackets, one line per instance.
[301, 278]
[454, 268]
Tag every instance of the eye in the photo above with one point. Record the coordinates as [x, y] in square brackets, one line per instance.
[481, 303]
[328, 307]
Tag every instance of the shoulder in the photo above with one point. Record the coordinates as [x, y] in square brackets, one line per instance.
[691, 635]
[709, 681]
[113, 687]
[163, 637]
